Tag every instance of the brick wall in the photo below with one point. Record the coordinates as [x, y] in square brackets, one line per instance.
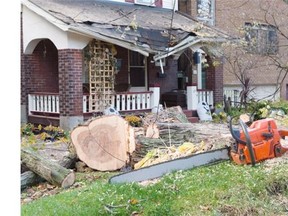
[39, 70]
[232, 15]
[217, 78]
[167, 83]
[70, 82]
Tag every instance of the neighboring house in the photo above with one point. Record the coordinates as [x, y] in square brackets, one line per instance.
[259, 23]
[79, 58]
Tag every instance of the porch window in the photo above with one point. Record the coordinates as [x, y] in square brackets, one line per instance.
[206, 11]
[137, 70]
[261, 39]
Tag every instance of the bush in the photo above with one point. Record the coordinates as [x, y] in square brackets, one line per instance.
[133, 120]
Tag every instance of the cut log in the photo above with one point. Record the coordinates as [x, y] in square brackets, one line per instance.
[49, 170]
[105, 143]
[211, 135]
[29, 178]
[56, 152]
[59, 153]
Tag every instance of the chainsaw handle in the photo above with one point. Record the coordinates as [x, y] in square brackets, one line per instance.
[234, 135]
[248, 142]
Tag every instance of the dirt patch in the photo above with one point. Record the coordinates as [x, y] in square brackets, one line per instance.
[228, 210]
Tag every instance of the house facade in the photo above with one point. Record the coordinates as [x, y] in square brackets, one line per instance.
[77, 61]
[261, 27]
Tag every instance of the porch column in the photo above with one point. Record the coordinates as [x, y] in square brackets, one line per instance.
[25, 79]
[218, 85]
[192, 98]
[70, 88]
[155, 97]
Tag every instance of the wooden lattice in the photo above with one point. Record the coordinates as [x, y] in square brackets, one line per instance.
[100, 63]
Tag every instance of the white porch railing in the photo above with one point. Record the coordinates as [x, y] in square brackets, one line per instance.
[194, 97]
[41, 102]
[126, 101]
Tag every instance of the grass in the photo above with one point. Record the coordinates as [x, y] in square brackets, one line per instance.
[222, 189]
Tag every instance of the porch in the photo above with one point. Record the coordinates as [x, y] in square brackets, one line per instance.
[43, 108]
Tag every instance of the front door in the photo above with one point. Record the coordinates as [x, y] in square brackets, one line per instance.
[137, 72]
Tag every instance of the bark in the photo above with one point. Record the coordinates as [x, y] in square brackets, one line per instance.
[49, 170]
[210, 135]
[55, 152]
[105, 143]
[29, 178]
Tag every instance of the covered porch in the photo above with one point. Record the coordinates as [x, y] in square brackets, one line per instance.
[72, 69]
[45, 106]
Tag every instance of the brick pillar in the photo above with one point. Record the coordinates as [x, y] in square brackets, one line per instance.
[26, 76]
[70, 88]
[218, 86]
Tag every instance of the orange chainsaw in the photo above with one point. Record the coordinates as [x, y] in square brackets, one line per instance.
[258, 142]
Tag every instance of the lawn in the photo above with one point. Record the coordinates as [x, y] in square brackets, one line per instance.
[221, 189]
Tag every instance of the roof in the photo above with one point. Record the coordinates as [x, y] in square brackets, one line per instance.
[150, 29]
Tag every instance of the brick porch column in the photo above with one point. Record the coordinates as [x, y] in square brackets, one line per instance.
[70, 88]
[218, 91]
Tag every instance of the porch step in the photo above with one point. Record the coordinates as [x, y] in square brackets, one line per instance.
[193, 119]
[192, 115]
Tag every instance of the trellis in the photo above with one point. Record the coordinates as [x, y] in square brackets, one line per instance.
[100, 63]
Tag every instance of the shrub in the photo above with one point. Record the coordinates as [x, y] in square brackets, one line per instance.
[133, 120]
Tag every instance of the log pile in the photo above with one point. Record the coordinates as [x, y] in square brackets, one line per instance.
[108, 142]
[37, 159]
[47, 169]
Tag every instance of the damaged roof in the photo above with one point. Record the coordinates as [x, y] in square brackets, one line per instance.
[151, 29]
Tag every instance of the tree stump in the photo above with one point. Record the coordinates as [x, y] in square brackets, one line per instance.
[105, 143]
[51, 171]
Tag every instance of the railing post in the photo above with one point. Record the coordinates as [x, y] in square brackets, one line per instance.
[155, 96]
[30, 103]
[211, 101]
[84, 103]
[192, 99]
[118, 99]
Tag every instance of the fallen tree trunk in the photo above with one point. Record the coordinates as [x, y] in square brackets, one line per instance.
[58, 153]
[51, 171]
[105, 143]
[208, 135]
[29, 178]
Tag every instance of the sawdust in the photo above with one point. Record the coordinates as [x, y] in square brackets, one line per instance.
[271, 163]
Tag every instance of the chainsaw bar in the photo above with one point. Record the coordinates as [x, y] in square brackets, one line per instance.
[184, 163]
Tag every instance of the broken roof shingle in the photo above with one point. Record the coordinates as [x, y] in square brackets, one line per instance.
[150, 28]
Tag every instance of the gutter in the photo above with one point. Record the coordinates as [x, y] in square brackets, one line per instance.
[185, 44]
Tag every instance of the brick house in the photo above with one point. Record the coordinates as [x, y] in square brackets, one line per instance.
[81, 58]
[259, 23]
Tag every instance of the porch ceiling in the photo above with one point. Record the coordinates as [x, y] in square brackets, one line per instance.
[148, 29]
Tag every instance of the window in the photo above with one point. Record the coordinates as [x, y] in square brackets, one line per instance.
[261, 39]
[137, 69]
[206, 11]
